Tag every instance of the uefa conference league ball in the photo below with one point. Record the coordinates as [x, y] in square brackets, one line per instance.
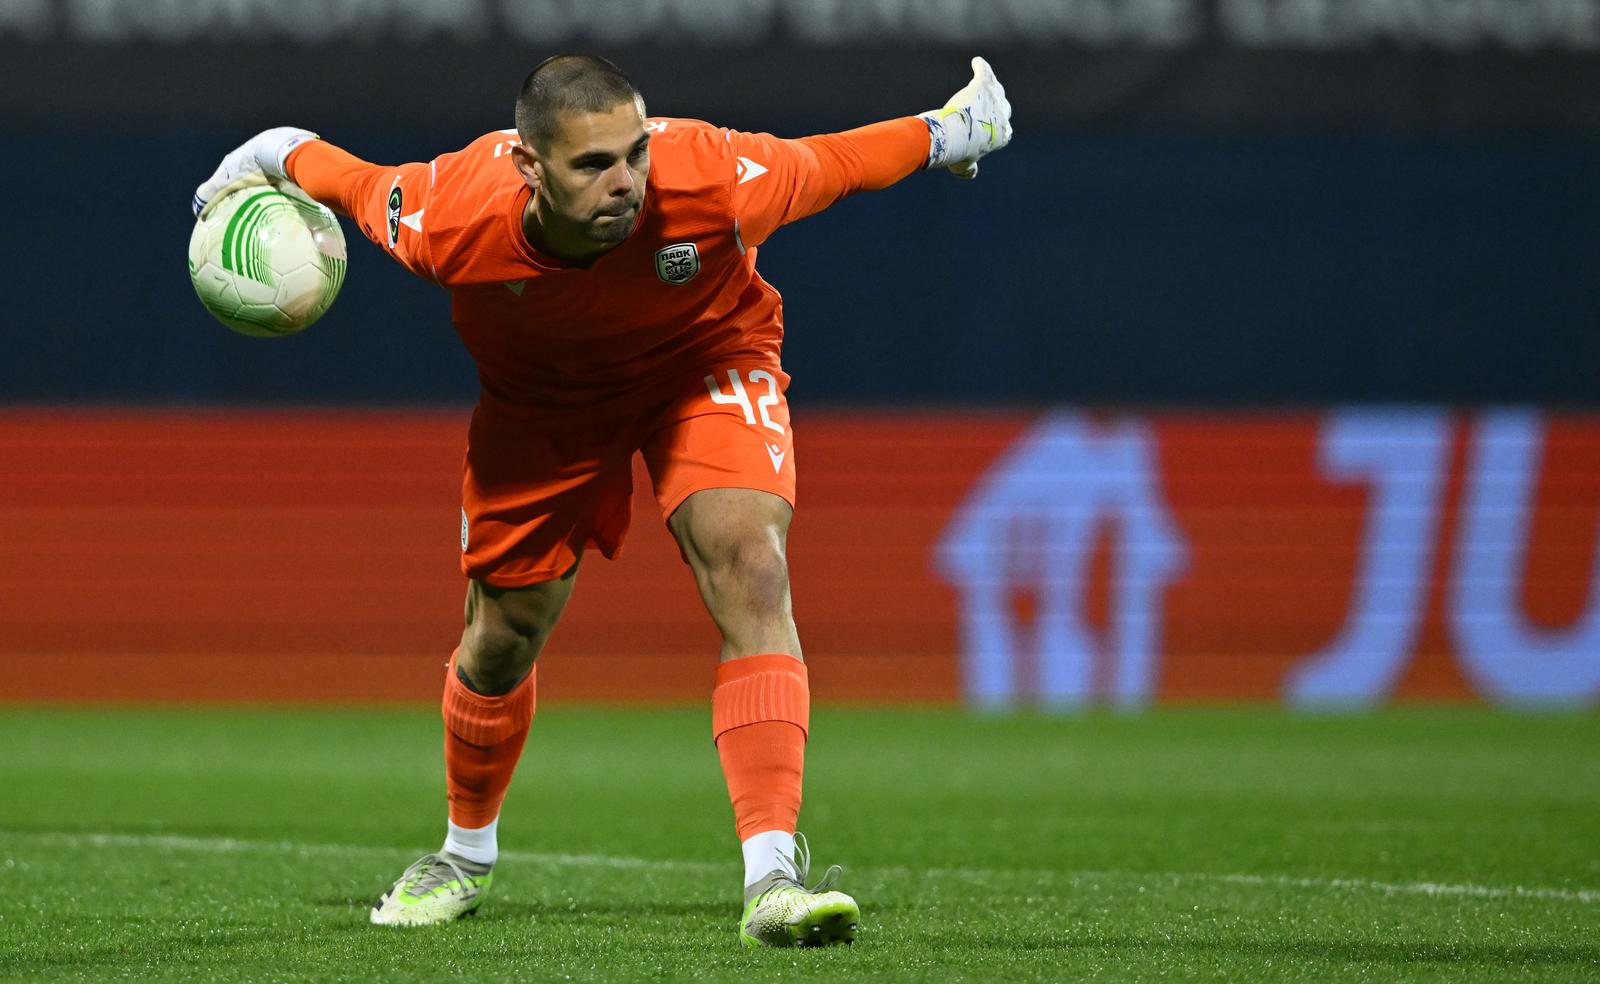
[265, 262]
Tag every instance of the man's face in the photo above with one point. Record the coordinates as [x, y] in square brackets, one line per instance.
[592, 175]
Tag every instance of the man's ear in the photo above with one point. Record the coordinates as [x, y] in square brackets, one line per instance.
[528, 165]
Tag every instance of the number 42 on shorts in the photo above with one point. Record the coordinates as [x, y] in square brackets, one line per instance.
[740, 397]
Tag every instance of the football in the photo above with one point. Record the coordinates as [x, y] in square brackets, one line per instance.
[265, 261]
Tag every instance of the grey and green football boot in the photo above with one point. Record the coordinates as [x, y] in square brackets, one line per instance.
[779, 910]
[435, 889]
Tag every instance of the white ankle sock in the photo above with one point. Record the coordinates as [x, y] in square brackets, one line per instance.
[765, 852]
[478, 846]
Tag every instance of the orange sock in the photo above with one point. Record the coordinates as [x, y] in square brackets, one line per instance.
[760, 713]
[483, 738]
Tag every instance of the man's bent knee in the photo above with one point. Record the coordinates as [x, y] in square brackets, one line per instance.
[506, 630]
[752, 569]
[494, 660]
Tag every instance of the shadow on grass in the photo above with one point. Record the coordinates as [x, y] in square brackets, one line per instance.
[1401, 953]
[560, 911]
[353, 902]
[167, 951]
[495, 909]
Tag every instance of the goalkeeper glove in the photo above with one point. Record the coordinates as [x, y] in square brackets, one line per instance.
[975, 122]
[265, 154]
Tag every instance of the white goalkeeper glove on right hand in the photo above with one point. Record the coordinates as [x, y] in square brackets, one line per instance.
[264, 153]
[976, 121]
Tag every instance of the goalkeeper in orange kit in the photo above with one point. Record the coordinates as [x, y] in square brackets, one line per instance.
[602, 272]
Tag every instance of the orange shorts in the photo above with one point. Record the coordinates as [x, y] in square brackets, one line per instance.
[534, 498]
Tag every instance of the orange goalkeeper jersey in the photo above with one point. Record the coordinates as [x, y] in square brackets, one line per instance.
[680, 294]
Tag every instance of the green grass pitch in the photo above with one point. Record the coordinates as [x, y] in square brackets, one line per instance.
[1227, 844]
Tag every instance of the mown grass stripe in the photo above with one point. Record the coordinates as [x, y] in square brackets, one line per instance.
[223, 845]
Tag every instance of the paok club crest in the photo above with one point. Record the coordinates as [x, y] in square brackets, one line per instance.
[678, 263]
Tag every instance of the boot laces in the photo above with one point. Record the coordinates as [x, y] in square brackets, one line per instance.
[425, 875]
[800, 867]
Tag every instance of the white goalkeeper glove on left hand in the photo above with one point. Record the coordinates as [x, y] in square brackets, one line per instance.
[264, 153]
[976, 121]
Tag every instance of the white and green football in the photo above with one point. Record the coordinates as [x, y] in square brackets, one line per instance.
[266, 262]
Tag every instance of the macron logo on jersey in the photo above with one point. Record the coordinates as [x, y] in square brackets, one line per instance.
[749, 170]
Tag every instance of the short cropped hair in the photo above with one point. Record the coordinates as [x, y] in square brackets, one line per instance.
[568, 84]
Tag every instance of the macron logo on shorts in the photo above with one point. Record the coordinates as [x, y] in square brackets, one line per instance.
[776, 453]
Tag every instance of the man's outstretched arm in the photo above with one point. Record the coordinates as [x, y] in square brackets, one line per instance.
[371, 195]
[300, 163]
[337, 178]
[334, 177]
[811, 173]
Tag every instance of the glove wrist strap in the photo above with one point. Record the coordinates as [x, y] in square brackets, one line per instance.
[950, 139]
[278, 167]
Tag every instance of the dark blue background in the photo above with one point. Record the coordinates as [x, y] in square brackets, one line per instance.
[1162, 265]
